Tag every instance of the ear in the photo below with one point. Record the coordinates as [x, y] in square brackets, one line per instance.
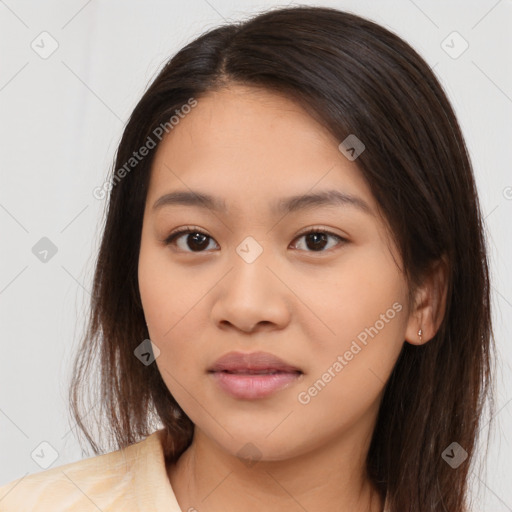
[430, 304]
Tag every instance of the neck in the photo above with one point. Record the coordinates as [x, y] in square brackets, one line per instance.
[333, 478]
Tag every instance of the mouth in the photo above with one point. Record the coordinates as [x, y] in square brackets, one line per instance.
[255, 375]
[254, 362]
[256, 372]
[254, 384]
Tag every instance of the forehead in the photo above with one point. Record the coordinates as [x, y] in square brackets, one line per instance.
[249, 145]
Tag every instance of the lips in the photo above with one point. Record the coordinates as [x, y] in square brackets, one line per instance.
[255, 363]
[253, 376]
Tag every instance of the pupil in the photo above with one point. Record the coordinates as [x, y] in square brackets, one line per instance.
[199, 239]
[315, 238]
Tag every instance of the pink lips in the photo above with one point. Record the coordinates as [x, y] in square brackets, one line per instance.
[254, 375]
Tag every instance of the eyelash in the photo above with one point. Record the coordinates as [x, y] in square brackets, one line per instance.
[192, 229]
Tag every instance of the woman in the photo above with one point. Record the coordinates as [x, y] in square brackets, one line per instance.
[292, 285]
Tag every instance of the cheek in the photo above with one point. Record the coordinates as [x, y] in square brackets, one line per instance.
[166, 293]
[365, 308]
[352, 365]
[367, 286]
[171, 302]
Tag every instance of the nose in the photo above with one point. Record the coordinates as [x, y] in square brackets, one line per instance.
[252, 297]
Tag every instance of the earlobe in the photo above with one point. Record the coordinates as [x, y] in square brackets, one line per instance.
[430, 305]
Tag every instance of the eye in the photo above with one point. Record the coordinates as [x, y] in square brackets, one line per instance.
[316, 239]
[195, 243]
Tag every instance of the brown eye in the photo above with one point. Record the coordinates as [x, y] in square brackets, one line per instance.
[195, 240]
[316, 239]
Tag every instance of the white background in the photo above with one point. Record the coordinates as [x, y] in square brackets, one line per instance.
[62, 118]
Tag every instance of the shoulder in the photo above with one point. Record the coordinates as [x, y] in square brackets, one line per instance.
[104, 482]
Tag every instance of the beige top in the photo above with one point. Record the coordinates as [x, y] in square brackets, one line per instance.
[133, 479]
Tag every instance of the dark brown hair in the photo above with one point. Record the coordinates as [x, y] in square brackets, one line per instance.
[354, 77]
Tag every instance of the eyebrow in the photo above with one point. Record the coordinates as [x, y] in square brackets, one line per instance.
[282, 206]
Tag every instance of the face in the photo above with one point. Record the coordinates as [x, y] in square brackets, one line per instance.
[247, 278]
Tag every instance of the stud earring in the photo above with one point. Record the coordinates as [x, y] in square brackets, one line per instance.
[420, 332]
